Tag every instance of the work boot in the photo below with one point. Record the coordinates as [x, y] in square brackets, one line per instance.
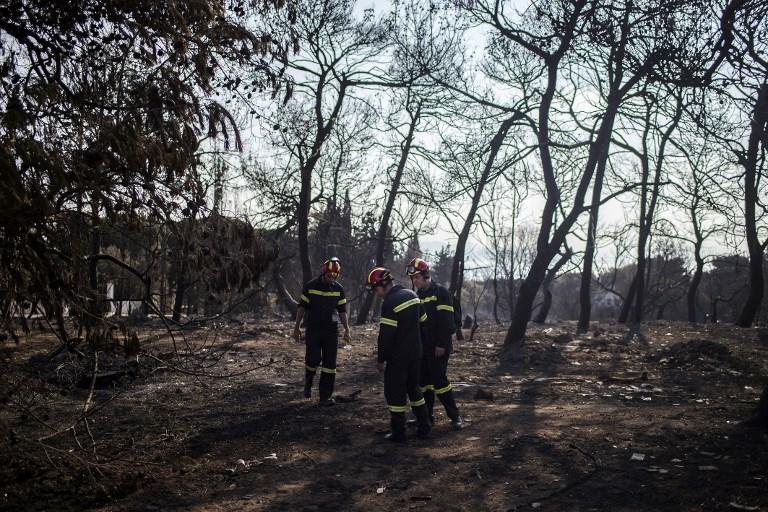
[326, 382]
[397, 427]
[327, 402]
[413, 422]
[423, 421]
[394, 437]
[458, 423]
[449, 402]
[309, 377]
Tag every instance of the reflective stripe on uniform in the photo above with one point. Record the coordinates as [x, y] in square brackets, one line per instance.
[304, 298]
[324, 294]
[418, 403]
[398, 408]
[423, 318]
[327, 370]
[341, 302]
[444, 390]
[311, 368]
[405, 305]
[428, 387]
[388, 321]
[429, 299]
[445, 307]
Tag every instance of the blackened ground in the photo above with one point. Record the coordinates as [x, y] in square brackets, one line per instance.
[607, 421]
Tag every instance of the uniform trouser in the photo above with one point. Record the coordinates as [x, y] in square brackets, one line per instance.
[434, 381]
[401, 383]
[322, 345]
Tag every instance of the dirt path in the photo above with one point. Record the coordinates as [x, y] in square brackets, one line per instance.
[600, 422]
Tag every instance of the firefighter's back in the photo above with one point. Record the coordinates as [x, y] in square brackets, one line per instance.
[404, 308]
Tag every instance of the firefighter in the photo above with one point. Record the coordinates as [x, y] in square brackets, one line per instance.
[321, 305]
[399, 350]
[438, 304]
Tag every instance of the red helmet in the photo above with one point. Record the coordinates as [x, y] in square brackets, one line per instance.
[332, 268]
[378, 276]
[417, 266]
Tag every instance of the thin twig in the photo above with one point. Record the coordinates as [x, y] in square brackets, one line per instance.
[204, 374]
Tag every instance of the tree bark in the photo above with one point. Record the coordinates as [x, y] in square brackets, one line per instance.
[525, 298]
[181, 268]
[614, 97]
[323, 130]
[694, 287]
[282, 292]
[94, 307]
[756, 135]
[546, 248]
[549, 242]
[541, 316]
[511, 299]
[181, 287]
[629, 299]
[163, 271]
[457, 269]
[585, 289]
[646, 223]
[381, 235]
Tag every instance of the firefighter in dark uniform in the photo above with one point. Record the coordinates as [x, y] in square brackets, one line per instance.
[321, 305]
[438, 304]
[399, 349]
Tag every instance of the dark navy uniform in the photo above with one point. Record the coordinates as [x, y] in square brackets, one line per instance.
[438, 305]
[323, 301]
[399, 345]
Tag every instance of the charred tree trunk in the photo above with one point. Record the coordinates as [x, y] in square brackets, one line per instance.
[549, 243]
[614, 97]
[693, 288]
[546, 249]
[757, 136]
[511, 282]
[324, 130]
[585, 289]
[94, 305]
[282, 292]
[302, 222]
[181, 288]
[541, 316]
[646, 222]
[381, 235]
[457, 269]
[525, 298]
[163, 273]
[546, 303]
[181, 269]
[93, 276]
[628, 301]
